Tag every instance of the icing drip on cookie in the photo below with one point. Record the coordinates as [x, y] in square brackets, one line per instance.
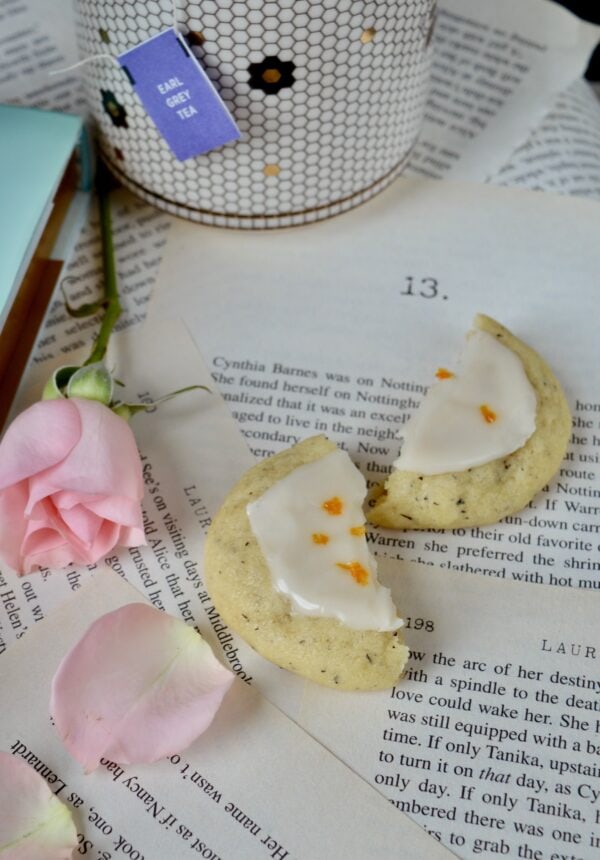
[480, 414]
[310, 529]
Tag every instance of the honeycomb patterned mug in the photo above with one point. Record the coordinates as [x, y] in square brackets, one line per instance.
[328, 96]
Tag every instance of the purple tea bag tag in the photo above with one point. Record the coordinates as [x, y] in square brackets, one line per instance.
[178, 95]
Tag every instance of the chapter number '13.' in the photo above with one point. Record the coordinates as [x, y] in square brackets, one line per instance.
[425, 288]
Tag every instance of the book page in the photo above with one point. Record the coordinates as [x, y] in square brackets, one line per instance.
[344, 340]
[32, 44]
[497, 68]
[563, 153]
[140, 233]
[492, 741]
[253, 785]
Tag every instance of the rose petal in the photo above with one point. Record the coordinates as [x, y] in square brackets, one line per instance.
[119, 509]
[54, 556]
[37, 439]
[108, 536]
[41, 537]
[33, 821]
[85, 536]
[82, 523]
[132, 537]
[105, 457]
[65, 500]
[138, 686]
[12, 524]
[102, 471]
[44, 534]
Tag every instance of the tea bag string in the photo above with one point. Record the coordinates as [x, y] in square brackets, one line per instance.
[106, 56]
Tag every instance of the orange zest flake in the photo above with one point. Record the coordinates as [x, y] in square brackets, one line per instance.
[357, 531]
[358, 573]
[442, 373]
[489, 416]
[333, 506]
[320, 538]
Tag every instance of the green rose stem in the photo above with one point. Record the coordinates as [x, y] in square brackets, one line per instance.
[92, 380]
[111, 292]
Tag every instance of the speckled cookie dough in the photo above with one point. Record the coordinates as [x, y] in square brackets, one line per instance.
[486, 493]
[321, 649]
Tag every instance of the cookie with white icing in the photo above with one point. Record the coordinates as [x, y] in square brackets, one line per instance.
[287, 566]
[480, 449]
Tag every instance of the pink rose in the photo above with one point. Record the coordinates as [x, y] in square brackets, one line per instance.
[70, 485]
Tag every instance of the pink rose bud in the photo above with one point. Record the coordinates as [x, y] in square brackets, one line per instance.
[70, 485]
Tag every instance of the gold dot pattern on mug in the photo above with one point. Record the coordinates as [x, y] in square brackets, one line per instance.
[367, 35]
[328, 95]
[272, 170]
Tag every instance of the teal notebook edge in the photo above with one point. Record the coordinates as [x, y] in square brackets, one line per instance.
[35, 148]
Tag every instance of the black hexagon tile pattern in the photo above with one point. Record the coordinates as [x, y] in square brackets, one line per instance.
[328, 95]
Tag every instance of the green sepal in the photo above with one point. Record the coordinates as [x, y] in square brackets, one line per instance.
[92, 382]
[128, 410]
[53, 389]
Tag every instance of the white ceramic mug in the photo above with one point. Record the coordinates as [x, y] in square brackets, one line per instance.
[328, 95]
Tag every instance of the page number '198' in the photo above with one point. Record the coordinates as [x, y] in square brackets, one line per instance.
[419, 624]
[425, 288]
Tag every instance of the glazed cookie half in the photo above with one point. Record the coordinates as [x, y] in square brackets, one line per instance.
[242, 586]
[486, 493]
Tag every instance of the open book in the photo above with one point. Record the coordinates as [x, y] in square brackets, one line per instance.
[489, 742]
